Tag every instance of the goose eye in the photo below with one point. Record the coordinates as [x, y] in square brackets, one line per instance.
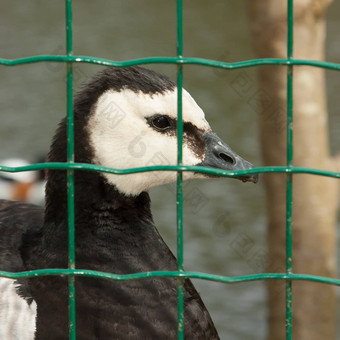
[161, 123]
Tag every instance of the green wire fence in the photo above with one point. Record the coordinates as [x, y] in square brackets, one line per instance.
[71, 166]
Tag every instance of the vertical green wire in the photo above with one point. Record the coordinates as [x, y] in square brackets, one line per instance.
[180, 300]
[70, 174]
[289, 186]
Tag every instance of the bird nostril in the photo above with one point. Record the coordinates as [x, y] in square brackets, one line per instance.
[227, 158]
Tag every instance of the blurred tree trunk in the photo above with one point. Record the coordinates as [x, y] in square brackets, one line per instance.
[315, 198]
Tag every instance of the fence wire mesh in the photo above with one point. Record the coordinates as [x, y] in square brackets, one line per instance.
[71, 166]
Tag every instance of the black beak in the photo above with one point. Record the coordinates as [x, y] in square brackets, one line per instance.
[219, 155]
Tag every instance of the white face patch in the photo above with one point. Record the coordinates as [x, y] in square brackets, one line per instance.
[17, 318]
[121, 137]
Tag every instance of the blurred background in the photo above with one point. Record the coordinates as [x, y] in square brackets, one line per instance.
[224, 219]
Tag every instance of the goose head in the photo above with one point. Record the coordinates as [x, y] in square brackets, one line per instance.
[127, 118]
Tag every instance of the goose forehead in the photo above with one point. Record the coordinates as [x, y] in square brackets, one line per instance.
[144, 105]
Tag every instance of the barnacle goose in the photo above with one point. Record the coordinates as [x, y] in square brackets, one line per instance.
[123, 118]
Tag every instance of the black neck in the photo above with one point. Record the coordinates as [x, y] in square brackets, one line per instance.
[103, 216]
[92, 192]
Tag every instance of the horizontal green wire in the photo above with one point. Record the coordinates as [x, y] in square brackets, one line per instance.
[200, 169]
[193, 275]
[169, 60]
